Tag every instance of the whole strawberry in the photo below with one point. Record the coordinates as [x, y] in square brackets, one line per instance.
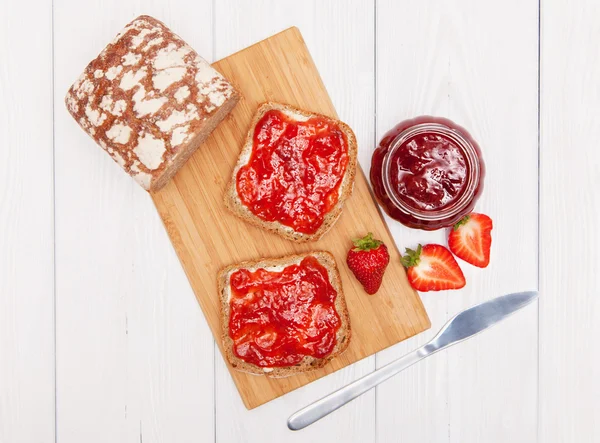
[367, 261]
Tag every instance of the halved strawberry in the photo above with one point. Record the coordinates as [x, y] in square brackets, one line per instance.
[432, 268]
[471, 239]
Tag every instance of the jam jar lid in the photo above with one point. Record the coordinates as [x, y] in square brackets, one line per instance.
[451, 213]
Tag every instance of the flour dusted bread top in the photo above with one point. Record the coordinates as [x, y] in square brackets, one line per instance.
[149, 100]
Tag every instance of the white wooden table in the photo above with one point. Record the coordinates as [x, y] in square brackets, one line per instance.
[101, 338]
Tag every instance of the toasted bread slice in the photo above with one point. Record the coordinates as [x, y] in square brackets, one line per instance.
[234, 204]
[309, 363]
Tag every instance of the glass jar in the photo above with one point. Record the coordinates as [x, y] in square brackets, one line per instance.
[427, 173]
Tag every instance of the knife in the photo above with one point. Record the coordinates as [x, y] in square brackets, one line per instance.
[461, 327]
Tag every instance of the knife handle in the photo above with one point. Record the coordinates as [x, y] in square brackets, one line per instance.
[325, 406]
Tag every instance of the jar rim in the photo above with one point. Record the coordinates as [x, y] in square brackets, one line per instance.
[473, 164]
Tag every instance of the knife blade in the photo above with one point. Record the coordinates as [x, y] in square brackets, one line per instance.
[459, 328]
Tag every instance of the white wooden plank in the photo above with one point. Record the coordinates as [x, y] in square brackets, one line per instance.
[26, 224]
[456, 59]
[570, 214]
[339, 36]
[410, 81]
[134, 353]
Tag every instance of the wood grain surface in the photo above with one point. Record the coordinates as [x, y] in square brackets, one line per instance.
[26, 225]
[468, 70]
[207, 237]
[134, 356]
[569, 352]
[342, 45]
[127, 355]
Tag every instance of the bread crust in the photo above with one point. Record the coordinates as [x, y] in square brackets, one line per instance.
[308, 363]
[234, 204]
[130, 105]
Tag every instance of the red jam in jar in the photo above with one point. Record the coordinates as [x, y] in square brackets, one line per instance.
[295, 170]
[427, 173]
[277, 317]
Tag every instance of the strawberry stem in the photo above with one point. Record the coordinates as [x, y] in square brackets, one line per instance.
[366, 243]
[412, 257]
[461, 222]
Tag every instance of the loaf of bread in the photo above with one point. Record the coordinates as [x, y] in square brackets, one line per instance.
[234, 203]
[150, 100]
[308, 363]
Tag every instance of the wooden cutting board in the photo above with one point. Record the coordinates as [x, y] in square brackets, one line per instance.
[207, 237]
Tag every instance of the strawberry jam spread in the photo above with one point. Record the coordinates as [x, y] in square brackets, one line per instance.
[427, 173]
[295, 170]
[279, 317]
